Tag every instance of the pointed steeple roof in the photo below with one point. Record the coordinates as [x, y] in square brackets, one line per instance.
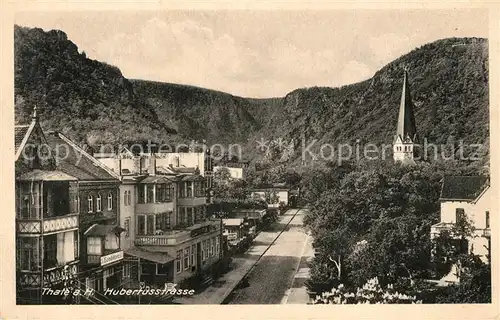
[406, 121]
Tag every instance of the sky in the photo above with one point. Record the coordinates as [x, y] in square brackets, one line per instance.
[257, 53]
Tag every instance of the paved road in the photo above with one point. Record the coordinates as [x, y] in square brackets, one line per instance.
[272, 276]
[240, 265]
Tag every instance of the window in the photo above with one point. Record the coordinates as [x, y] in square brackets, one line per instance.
[110, 201]
[126, 270]
[186, 258]
[90, 201]
[212, 247]
[98, 203]
[125, 198]
[217, 245]
[148, 268]
[168, 218]
[150, 224]
[141, 224]
[76, 244]
[129, 197]
[197, 189]
[126, 225]
[193, 253]
[189, 189]
[163, 192]
[94, 245]
[182, 190]
[189, 217]
[112, 241]
[203, 251]
[149, 193]
[28, 255]
[50, 250]
[159, 221]
[460, 215]
[141, 194]
[178, 261]
[162, 268]
[487, 219]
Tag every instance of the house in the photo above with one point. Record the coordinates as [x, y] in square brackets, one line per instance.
[273, 194]
[99, 230]
[235, 172]
[252, 216]
[47, 218]
[167, 232]
[467, 198]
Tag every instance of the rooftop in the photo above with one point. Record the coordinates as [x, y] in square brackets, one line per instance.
[463, 187]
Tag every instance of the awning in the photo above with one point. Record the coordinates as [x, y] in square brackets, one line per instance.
[43, 175]
[99, 230]
[158, 257]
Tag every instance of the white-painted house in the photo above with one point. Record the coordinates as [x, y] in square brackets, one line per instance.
[235, 172]
[467, 197]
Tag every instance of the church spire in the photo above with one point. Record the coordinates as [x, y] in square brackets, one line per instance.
[406, 121]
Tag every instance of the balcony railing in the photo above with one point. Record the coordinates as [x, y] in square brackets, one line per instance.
[192, 201]
[154, 207]
[52, 224]
[173, 237]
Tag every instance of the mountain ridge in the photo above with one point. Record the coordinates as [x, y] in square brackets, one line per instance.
[448, 79]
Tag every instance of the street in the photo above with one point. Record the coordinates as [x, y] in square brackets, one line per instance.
[273, 275]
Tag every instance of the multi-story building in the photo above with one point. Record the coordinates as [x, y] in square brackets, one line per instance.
[100, 251]
[164, 214]
[47, 219]
[468, 200]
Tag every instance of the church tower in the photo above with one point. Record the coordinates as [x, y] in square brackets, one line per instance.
[406, 135]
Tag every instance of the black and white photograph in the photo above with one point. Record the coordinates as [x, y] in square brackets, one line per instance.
[252, 157]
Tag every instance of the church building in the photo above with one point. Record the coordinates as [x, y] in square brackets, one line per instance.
[406, 139]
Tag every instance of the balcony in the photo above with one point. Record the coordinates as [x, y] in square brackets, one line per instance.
[50, 225]
[437, 228]
[174, 237]
[154, 207]
[192, 201]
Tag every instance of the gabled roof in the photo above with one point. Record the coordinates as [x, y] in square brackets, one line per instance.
[44, 175]
[20, 132]
[406, 119]
[74, 161]
[466, 188]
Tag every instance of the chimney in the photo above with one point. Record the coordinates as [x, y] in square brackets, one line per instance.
[152, 164]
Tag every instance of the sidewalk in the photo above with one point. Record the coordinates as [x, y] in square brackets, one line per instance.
[223, 286]
[297, 294]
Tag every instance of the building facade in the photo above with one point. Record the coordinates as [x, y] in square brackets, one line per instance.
[467, 199]
[47, 219]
